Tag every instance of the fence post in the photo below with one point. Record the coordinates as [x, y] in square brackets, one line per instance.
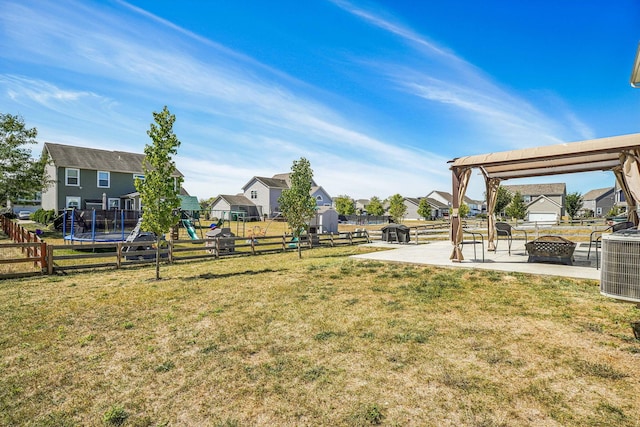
[284, 243]
[119, 255]
[253, 245]
[331, 239]
[49, 259]
[43, 256]
[170, 251]
[216, 247]
[366, 233]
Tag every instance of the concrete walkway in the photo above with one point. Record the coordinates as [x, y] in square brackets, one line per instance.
[438, 252]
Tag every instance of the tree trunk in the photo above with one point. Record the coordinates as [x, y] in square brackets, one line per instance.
[157, 258]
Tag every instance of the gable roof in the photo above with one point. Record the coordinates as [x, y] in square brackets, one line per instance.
[437, 203]
[95, 159]
[597, 193]
[267, 182]
[537, 189]
[238, 200]
[449, 198]
[543, 197]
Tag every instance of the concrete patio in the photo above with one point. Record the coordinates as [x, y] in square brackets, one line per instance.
[438, 252]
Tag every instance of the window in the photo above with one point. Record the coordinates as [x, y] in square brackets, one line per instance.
[598, 211]
[114, 203]
[73, 202]
[72, 177]
[319, 198]
[254, 194]
[104, 179]
[138, 176]
[526, 199]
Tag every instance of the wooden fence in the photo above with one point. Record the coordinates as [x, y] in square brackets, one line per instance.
[59, 258]
[31, 246]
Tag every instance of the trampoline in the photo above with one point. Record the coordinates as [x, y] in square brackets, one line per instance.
[97, 237]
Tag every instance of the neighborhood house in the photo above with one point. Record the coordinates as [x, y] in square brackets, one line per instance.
[89, 178]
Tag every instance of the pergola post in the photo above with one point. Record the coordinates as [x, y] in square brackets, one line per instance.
[492, 197]
[460, 181]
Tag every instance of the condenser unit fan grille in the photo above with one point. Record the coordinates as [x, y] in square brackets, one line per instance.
[620, 274]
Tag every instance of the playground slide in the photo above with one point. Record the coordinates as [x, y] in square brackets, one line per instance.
[190, 229]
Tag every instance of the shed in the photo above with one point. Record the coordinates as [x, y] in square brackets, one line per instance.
[325, 220]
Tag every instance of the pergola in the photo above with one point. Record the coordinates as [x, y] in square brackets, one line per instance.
[620, 154]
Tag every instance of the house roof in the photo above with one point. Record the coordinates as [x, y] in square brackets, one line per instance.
[238, 200]
[436, 203]
[449, 198]
[268, 182]
[537, 189]
[95, 159]
[597, 193]
[543, 197]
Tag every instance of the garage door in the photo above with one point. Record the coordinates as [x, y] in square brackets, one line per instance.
[542, 217]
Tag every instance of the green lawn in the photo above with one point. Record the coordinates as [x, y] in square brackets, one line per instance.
[323, 341]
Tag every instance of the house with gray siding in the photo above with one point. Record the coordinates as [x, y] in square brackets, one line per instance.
[87, 178]
[598, 201]
[544, 202]
[259, 198]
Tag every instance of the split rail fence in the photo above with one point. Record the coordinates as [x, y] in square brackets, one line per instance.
[51, 258]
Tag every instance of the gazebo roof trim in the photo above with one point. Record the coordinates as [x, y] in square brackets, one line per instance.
[581, 156]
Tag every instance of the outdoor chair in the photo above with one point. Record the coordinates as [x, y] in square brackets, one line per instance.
[595, 238]
[506, 230]
[475, 239]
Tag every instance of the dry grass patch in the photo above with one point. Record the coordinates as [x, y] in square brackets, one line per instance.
[326, 340]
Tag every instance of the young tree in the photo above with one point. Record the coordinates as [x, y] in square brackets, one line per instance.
[424, 208]
[502, 200]
[160, 188]
[397, 208]
[375, 207]
[345, 205]
[296, 203]
[516, 208]
[573, 203]
[463, 210]
[20, 175]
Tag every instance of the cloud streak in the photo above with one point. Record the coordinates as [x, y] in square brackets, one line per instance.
[451, 81]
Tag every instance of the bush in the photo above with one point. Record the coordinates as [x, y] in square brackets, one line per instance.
[44, 216]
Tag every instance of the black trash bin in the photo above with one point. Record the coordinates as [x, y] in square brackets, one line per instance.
[395, 233]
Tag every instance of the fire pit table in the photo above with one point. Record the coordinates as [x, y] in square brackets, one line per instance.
[551, 249]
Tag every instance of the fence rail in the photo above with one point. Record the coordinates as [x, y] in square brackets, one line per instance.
[58, 258]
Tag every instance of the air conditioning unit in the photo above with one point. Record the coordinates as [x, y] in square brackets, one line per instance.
[620, 273]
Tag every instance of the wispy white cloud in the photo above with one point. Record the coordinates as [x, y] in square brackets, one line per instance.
[450, 80]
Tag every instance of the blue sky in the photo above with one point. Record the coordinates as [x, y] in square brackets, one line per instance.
[378, 95]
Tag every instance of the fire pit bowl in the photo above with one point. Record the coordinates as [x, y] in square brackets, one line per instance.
[551, 249]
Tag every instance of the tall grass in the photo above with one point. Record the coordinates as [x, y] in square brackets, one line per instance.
[326, 340]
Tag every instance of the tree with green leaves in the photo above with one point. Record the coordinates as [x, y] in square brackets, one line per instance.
[463, 210]
[516, 208]
[160, 187]
[397, 208]
[20, 175]
[424, 208]
[502, 200]
[296, 203]
[375, 206]
[345, 205]
[573, 204]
